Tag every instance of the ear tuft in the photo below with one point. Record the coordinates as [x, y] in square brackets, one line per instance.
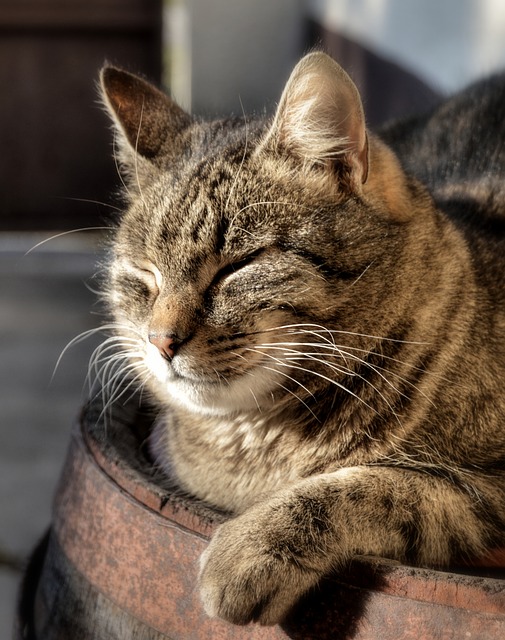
[320, 119]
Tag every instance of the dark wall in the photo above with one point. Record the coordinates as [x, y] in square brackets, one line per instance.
[55, 141]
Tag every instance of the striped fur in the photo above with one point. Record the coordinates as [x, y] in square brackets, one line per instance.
[336, 374]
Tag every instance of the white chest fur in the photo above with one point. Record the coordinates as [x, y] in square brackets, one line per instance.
[228, 462]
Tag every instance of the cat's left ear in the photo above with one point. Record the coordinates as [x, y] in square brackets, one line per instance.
[148, 122]
[320, 119]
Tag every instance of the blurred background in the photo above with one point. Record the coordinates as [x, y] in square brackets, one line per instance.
[57, 173]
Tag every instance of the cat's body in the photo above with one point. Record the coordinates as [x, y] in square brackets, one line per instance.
[325, 345]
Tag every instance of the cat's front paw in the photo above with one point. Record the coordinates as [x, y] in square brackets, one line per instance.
[256, 567]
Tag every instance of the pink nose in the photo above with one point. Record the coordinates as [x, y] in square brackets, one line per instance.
[166, 344]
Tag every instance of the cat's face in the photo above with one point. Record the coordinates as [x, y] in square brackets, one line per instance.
[239, 269]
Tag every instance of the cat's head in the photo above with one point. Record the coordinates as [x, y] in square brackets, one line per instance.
[253, 255]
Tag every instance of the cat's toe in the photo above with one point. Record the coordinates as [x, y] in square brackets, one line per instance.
[235, 603]
[241, 583]
[237, 591]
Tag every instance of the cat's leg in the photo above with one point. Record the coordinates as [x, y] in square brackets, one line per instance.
[259, 564]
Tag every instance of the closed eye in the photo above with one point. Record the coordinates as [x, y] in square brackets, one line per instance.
[152, 271]
[148, 277]
[147, 273]
[233, 267]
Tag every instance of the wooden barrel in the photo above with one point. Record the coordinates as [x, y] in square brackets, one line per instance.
[121, 560]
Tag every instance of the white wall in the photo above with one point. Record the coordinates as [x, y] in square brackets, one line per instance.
[242, 51]
[447, 43]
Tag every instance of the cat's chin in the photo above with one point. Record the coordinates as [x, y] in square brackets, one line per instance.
[210, 398]
[213, 399]
[179, 385]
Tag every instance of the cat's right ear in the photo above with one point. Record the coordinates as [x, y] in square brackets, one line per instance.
[147, 121]
[320, 121]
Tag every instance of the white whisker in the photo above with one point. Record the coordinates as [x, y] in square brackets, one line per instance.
[317, 374]
[300, 329]
[237, 174]
[295, 396]
[63, 233]
[77, 340]
[362, 274]
[99, 202]
[116, 164]
[255, 400]
[137, 176]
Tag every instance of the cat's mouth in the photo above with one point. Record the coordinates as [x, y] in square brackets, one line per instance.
[184, 382]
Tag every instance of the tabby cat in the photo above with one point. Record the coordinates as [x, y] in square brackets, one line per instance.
[322, 332]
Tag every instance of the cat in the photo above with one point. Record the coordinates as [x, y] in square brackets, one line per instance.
[318, 312]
